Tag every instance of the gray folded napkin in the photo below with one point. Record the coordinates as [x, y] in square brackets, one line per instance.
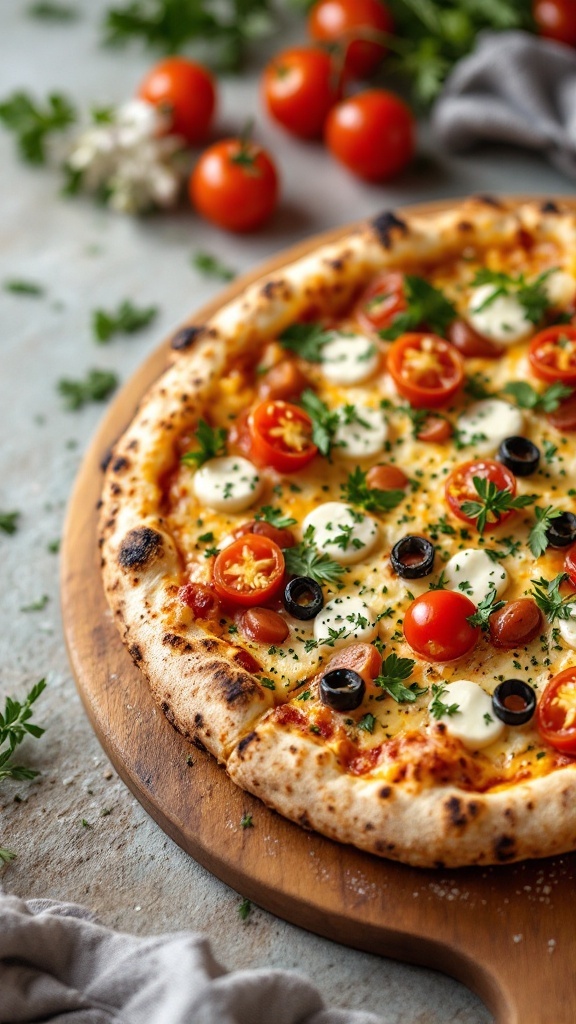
[59, 965]
[514, 88]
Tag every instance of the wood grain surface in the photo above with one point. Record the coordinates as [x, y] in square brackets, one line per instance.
[509, 933]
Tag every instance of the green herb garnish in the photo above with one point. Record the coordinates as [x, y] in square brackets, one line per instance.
[437, 708]
[324, 421]
[493, 503]
[244, 910]
[426, 306]
[531, 295]
[356, 491]
[366, 723]
[49, 11]
[391, 678]
[275, 517]
[306, 340]
[547, 595]
[36, 606]
[32, 124]
[210, 266]
[486, 607]
[127, 319]
[15, 725]
[211, 444]
[305, 559]
[9, 522]
[96, 387]
[17, 286]
[538, 539]
[246, 821]
[528, 398]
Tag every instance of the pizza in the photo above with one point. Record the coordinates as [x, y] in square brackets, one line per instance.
[338, 536]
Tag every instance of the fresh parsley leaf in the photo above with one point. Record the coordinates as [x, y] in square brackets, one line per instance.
[547, 595]
[549, 450]
[127, 319]
[538, 536]
[440, 584]
[36, 606]
[304, 559]
[9, 522]
[49, 11]
[32, 124]
[275, 517]
[510, 547]
[211, 444]
[20, 287]
[394, 671]
[426, 306]
[493, 503]
[437, 707]
[356, 491]
[269, 684]
[15, 725]
[486, 607]
[244, 910]
[476, 388]
[528, 398]
[210, 266]
[324, 421]
[96, 387]
[6, 855]
[366, 723]
[246, 821]
[306, 340]
[532, 295]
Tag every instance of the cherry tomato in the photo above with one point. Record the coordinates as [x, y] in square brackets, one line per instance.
[469, 343]
[235, 185]
[284, 537]
[386, 477]
[436, 625]
[372, 134]
[284, 380]
[552, 354]
[556, 711]
[435, 430]
[426, 369]
[381, 301]
[249, 571]
[556, 19]
[200, 599]
[281, 436]
[264, 625]
[184, 89]
[300, 86]
[460, 488]
[570, 563]
[516, 624]
[352, 24]
[564, 417]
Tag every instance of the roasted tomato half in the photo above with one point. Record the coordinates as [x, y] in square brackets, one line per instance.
[381, 301]
[556, 712]
[552, 354]
[281, 436]
[249, 571]
[460, 487]
[436, 625]
[426, 370]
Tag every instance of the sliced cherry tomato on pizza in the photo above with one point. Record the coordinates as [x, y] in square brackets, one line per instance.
[564, 417]
[556, 19]
[552, 354]
[436, 625]
[281, 436]
[556, 712]
[460, 488]
[249, 571]
[427, 370]
[186, 91]
[381, 301]
[435, 429]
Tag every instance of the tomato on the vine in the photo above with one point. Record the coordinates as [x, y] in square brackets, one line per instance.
[556, 712]
[381, 301]
[436, 625]
[426, 370]
[300, 86]
[235, 184]
[556, 19]
[357, 27]
[459, 487]
[281, 436]
[186, 91]
[372, 134]
[249, 571]
[552, 354]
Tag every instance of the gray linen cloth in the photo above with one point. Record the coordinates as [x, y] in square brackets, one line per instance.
[514, 88]
[59, 965]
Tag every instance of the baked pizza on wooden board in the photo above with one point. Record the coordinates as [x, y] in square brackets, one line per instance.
[338, 536]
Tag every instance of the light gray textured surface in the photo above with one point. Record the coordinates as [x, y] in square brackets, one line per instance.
[121, 864]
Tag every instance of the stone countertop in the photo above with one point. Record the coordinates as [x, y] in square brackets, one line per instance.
[78, 833]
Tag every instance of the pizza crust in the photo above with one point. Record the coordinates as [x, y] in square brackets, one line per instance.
[203, 684]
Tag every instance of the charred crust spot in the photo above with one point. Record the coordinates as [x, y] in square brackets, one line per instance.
[304, 820]
[135, 653]
[167, 711]
[115, 489]
[439, 864]
[105, 460]
[529, 806]
[198, 743]
[489, 201]
[549, 207]
[385, 792]
[456, 812]
[178, 643]
[133, 446]
[464, 226]
[246, 741]
[473, 809]
[272, 289]
[368, 827]
[504, 848]
[120, 464]
[185, 337]
[198, 720]
[384, 224]
[336, 264]
[235, 685]
[208, 644]
[139, 547]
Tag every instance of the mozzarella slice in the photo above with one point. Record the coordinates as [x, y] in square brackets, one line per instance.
[349, 358]
[560, 288]
[229, 483]
[485, 424]
[362, 432]
[567, 628]
[503, 320]
[343, 533]
[343, 620]
[472, 572]
[474, 723]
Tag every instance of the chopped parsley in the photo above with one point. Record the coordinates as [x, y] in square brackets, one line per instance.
[211, 444]
[96, 387]
[275, 517]
[425, 306]
[36, 606]
[15, 725]
[304, 559]
[9, 522]
[547, 595]
[212, 267]
[391, 679]
[269, 684]
[531, 295]
[486, 607]
[493, 503]
[367, 723]
[356, 491]
[244, 910]
[246, 821]
[127, 319]
[437, 707]
[538, 537]
[20, 287]
[324, 421]
[49, 11]
[528, 398]
[306, 340]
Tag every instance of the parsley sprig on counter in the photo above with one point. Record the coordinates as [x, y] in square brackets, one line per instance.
[538, 538]
[356, 491]
[493, 503]
[304, 559]
[9, 522]
[547, 595]
[528, 398]
[425, 306]
[96, 387]
[32, 124]
[211, 444]
[49, 11]
[210, 266]
[15, 725]
[127, 319]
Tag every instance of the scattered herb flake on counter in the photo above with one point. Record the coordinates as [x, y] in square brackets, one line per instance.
[127, 319]
[245, 909]
[53, 546]
[49, 11]
[32, 124]
[425, 305]
[36, 606]
[211, 441]
[210, 266]
[6, 855]
[9, 522]
[15, 725]
[246, 821]
[17, 286]
[86, 824]
[97, 386]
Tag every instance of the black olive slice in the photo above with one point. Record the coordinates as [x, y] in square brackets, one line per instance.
[342, 689]
[562, 530]
[303, 598]
[520, 455]
[514, 702]
[413, 557]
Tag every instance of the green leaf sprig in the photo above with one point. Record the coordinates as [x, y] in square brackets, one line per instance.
[391, 679]
[486, 607]
[547, 596]
[325, 421]
[128, 319]
[32, 124]
[356, 491]
[438, 709]
[9, 522]
[304, 559]
[275, 517]
[97, 386]
[538, 536]
[46, 10]
[426, 306]
[15, 725]
[493, 503]
[527, 397]
[306, 340]
[210, 266]
[211, 444]
[531, 295]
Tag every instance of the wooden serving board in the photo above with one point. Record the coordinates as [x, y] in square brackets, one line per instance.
[509, 933]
